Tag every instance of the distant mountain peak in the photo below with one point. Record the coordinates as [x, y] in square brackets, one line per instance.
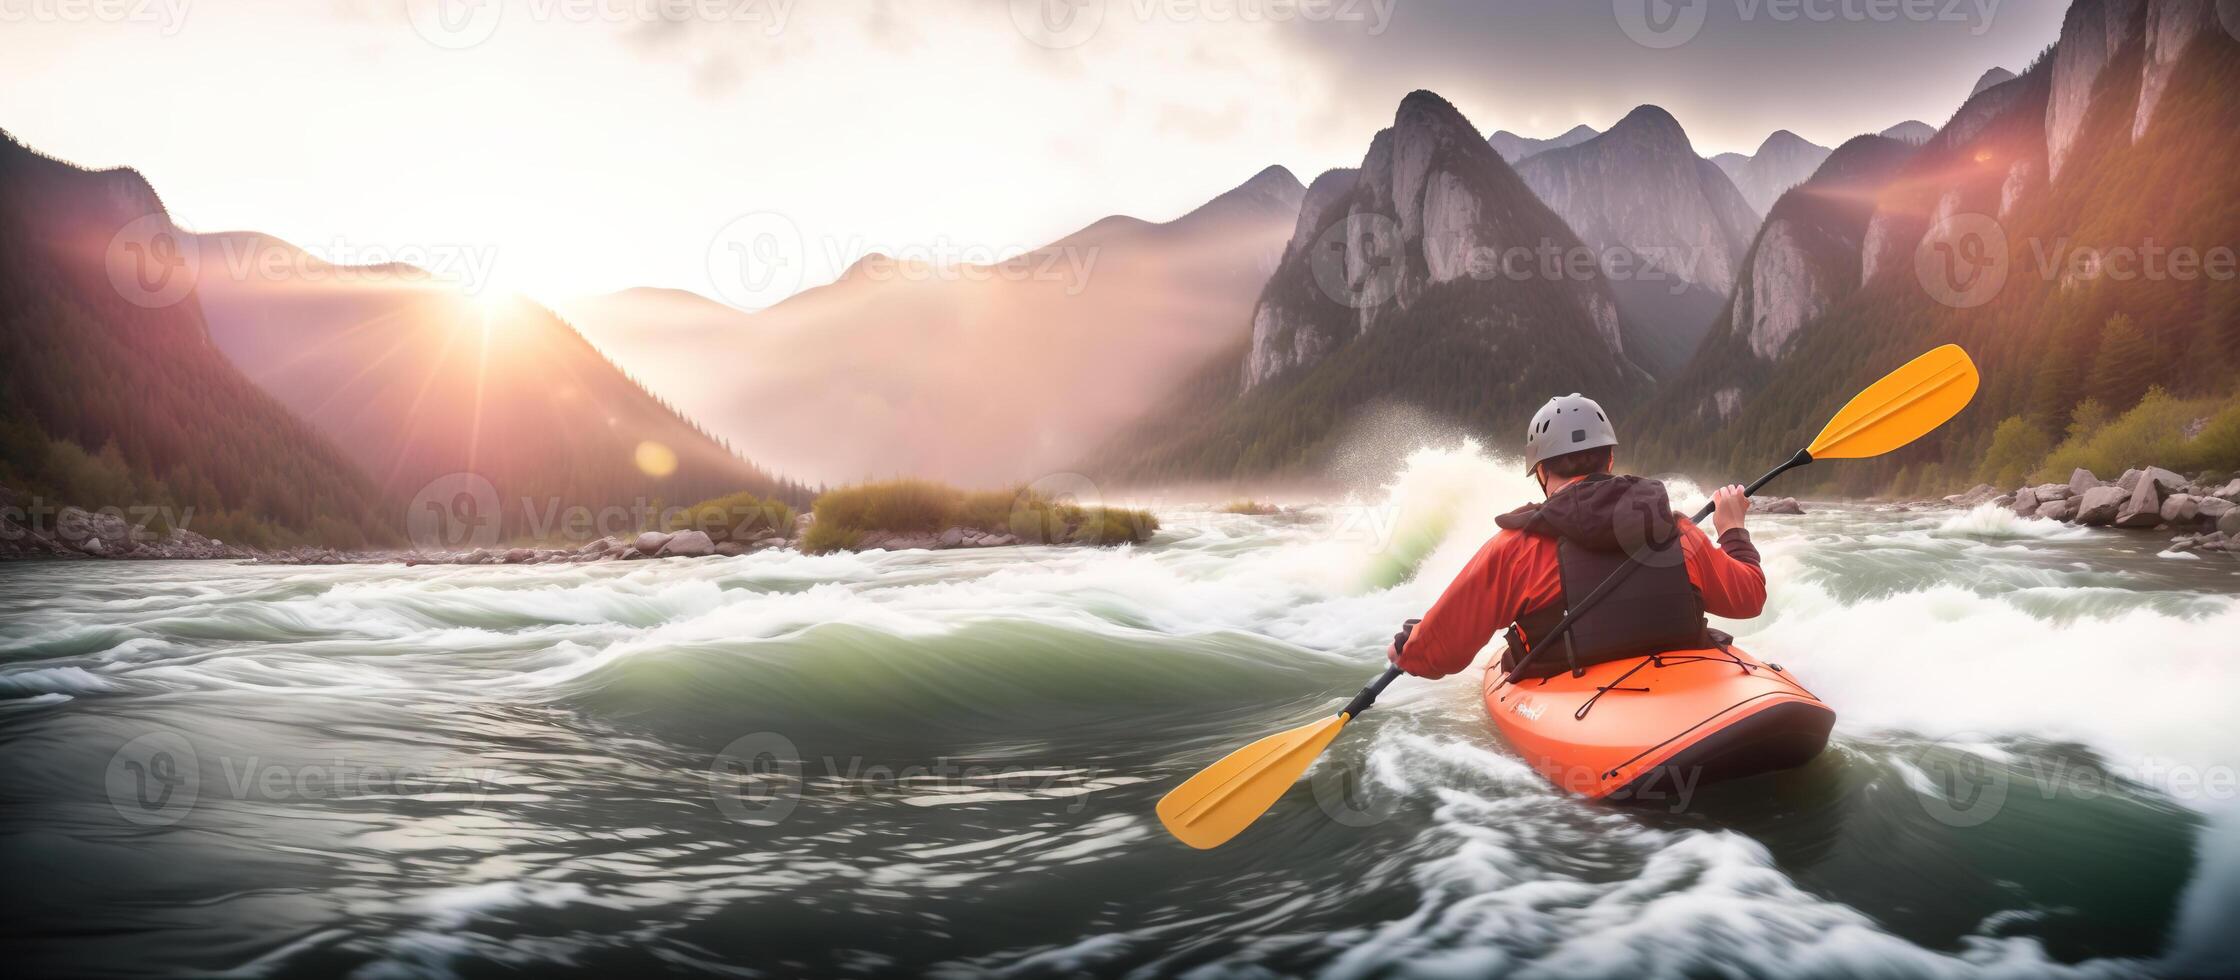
[1783, 139]
[1990, 80]
[1650, 122]
[1912, 131]
[1514, 148]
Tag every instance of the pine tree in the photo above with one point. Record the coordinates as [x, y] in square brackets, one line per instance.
[2124, 366]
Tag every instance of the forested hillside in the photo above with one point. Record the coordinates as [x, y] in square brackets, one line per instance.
[112, 402]
[2114, 278]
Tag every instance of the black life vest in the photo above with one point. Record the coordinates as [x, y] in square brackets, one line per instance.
[1655, 610]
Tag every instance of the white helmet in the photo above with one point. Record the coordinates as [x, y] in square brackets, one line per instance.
[1566, 425]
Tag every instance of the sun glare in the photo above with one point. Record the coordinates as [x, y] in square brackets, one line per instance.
[655, 459]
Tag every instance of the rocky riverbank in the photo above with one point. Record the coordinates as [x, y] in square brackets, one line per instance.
[73, 533]
[2201, 513]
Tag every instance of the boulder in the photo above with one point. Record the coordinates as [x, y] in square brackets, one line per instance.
[518, 556]
[1979, 494]
[2165, 482]
[650, 542]
[731, 549]
[2129, 481]
[2098, 505]
[2025, 502]
[1777, 505]
[2230, 492]
[687, 544]
[998, 541]
[2229, 524]
[2212, 509]
[952, 538]
[2057, 510]
[2052, 491]
[768, 543]
[2180, 508]
[2143, 508]
[596, 547]
[2082, 480]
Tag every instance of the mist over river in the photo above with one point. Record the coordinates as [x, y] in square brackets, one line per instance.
[946, 762]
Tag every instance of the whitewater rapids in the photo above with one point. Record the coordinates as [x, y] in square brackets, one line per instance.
[945, 762]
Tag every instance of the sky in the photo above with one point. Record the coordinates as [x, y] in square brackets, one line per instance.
[569, 147]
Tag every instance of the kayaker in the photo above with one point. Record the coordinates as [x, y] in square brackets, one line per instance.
[1591, 523]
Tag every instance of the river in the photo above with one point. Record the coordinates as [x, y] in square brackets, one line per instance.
[945, 762]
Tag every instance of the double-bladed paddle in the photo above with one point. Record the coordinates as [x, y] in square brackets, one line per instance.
[1226, 797]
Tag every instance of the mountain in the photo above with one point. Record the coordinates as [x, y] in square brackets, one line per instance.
[115, 394]
[1668, 227]
[2068, 287]
[1912, 131]
[979, 375]
[1990, 80]
[416, 381]
[1783, 161]
[1414, 279]
[1513, 147]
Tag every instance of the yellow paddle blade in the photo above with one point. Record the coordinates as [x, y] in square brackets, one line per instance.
[1905, 405]
[1214, 805]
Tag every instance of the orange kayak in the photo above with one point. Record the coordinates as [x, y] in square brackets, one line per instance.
[1649, 729]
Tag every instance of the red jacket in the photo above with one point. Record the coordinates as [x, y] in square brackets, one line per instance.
[1517, 572]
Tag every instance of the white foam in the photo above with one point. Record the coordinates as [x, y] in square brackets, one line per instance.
[1991, 522]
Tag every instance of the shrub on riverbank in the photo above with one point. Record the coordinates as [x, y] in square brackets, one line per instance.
[1250, 508]
[740, 517]
[843, 516]
[2159, 431]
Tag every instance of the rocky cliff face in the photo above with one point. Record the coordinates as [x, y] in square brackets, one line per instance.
[1419, 281]
[1806, 256]
[1783, 161]
[1641, 187]
[1431, 205]
[2090, 36]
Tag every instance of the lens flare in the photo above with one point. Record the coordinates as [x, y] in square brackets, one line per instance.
[655, 459]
